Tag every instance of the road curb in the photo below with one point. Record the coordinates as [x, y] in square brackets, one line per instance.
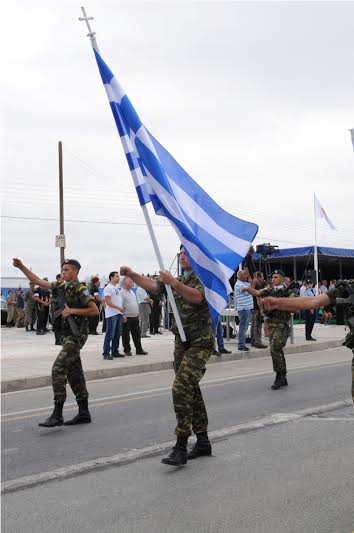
[131, 456]
[36, 382]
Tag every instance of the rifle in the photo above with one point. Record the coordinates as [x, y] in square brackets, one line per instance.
[58, 312]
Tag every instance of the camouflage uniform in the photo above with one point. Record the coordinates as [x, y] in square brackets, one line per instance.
[190, 361]
[278, 329]
[340, 292]
[30, 309]
[67, 366]
[11, 309]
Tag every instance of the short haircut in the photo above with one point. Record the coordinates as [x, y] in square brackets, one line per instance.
[112, 274]
[57, 276]
[240, 272]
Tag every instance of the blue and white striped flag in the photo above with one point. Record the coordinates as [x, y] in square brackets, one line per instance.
[215, 241]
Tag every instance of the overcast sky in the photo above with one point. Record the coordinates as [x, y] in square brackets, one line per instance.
[254, 100]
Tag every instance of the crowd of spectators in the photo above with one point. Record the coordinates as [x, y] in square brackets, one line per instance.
[131, 312]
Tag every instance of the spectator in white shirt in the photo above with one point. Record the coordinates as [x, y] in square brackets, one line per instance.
[114, 310]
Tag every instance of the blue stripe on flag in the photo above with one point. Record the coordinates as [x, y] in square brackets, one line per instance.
[128, 111]
[122, 129]
[132, 162]
[105, 72]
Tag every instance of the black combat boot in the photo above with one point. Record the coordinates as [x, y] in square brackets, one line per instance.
[201, 447]
[27, 328]
[82, 417]
[56, 418]
[178, 456]
[280, 381]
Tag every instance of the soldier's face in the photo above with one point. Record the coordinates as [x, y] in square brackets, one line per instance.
[184, 261]
[277, 279]
[69, 273]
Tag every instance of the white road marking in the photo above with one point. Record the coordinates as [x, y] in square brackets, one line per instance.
[131, 456]
[206, 383]
[10, 450]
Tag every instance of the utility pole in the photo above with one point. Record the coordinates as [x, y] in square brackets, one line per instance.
[60, 239]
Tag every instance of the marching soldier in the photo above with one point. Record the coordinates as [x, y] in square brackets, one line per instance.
[341, 290]
[11, 308]
[77, 306]
[278, 326]
[30, 309]
[190, 358]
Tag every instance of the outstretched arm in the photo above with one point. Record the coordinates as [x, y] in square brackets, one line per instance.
[30, 275]
[252, 291]
[189, 293]
[295, 304]
[146, 283]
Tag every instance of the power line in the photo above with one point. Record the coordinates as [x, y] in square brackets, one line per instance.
[42, 219]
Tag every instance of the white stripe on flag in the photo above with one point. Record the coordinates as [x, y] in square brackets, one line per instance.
[127, 144]
[218, 269]
[138, 176]
[215, 300]
[114, 90]
[209, 225]
[166, 199]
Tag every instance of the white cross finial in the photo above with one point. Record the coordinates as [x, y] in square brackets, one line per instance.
[91, 33]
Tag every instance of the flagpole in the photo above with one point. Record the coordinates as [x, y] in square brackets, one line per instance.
[179, 325]
[315, 256]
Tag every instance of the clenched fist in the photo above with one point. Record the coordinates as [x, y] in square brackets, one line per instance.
[125, 271]
[17, 262]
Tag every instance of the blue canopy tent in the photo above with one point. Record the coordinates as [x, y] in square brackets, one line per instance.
[334, 263]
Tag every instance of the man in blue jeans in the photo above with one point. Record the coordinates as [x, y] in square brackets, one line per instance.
[244, 306]
[114, 310]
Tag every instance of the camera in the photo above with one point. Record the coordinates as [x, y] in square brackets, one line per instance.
[267, 249]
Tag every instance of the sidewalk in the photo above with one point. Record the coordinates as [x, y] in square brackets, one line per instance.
[26, 359]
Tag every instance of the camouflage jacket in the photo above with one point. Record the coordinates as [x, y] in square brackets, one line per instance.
[277, 316]
[29, 302]
[75, 295]
[195, 318]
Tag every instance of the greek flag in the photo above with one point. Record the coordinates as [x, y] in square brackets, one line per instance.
[215, 241]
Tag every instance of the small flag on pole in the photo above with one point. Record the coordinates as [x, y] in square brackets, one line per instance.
[352, 136]
[321, 213]
[215, 241]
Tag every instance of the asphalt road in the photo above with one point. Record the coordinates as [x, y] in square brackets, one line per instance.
[291, 478]
[136, 411]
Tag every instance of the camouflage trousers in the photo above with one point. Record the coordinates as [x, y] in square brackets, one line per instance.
[68, 368]
[277, 336]
[11, 313]
[256, 327]
[190, 366]
[20, 315]
[30, 316]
